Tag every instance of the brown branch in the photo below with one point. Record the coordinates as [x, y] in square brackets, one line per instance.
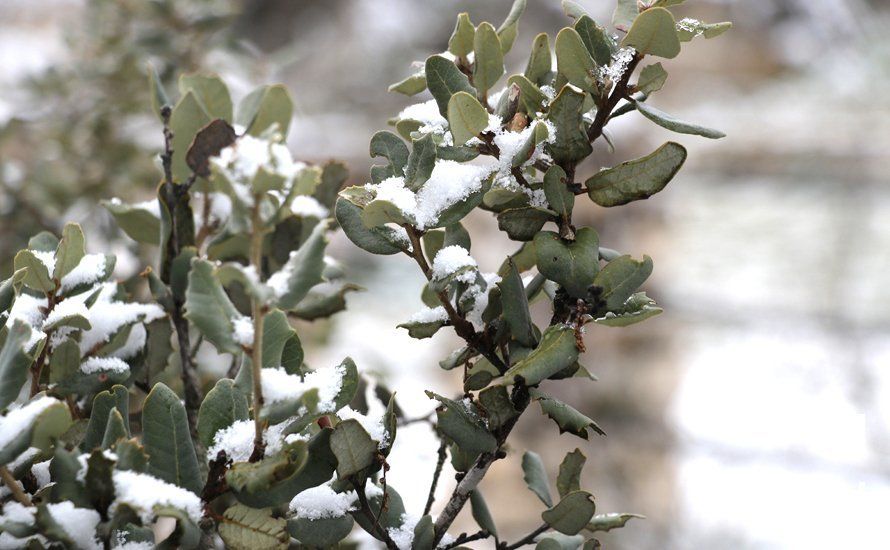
[528, 539]
[618, 93]
[258, 311]
[365, 508]
[14, 488]
[465, 538]
[438, 472]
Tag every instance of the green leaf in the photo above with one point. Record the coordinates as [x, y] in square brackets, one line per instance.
[510, 27]
[320, 533]
[244, 528]
[319, 304]
[569, 478]
[420, 162]
[9, 288]
[376, 240]
[391, 147]
[14, 362]
[43, 242]
[481, 513]
[621, 278]
[598, 43]
[572, 513]
[265, 106]
[411, 85]
[573, 9]
[303, 270]
[277, 334]
[573, 265]
[424, 534]
[467, 118]
[637, 179]
[116, 430]
[139, 223]
[535, 476]
[690, 28]
[515, 304]
[171, 454]
[654, 32]
[41, 430]
[444, 79]
[675, 125]
[70, 251]
[187, 118]
[566, 113]
[556, 352]
[209, 308]
[222, 407]
[353, 447]
[461, 41]
[423, 329]
[488, 66]
[566, 417]
[607, 522]
[499, 410]
[540, 63]
[574, 61]
[211, 91]
[388, 507]
[115, 399]
[652, 79]
[625, 13]
[523, 224]
[37, 275]
[637, 308]
[531, 98]
[463, 425]
[559, 196]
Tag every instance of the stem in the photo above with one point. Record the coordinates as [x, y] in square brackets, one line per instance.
[438, 472]
[465, 538]
[366, 510]
[528, 539]
[258, 311]
[620, 91]
[13, 485]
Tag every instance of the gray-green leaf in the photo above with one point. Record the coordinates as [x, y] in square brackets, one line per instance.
[171, 454]
[637, 179]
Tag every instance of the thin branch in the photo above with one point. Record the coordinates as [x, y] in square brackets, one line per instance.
[618, 93]
[365, 508]
[528, 539]
[436, 474]
[465, 538]
[14, 488]
[259, 313]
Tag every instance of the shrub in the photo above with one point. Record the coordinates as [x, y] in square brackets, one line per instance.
[277, 454]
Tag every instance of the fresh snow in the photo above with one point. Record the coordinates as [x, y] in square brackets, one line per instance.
[278, 385]
[323, 502]
[67, 308]
[104, 364]
[90, 269]
[241, 161]
[452, 259]
[480, 296]
[429, 315]
[107, 316]
[47, 258]
[143, 492]
[427, 113]
[78, 523]
[243, 330]
[371, 422]
[18, 420]
[306, 206]
[17, 513]
[403, 535]
[237, 440]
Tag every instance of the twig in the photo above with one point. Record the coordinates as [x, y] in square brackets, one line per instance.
[438, 472]
[528, 539]
[13, 485]
[619, 93]
[259, 313]
[465, 538]
[366, 510]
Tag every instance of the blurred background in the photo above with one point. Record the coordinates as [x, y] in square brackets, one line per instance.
[754, 413]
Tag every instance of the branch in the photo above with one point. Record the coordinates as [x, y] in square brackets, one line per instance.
[619, 93]
[438, 472]
[465, 538]
[366, 510]
[258, 312]
[528, 539]
[14, 488]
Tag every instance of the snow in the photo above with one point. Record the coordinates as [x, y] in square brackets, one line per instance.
[29, 310]
[427, 113]
[9, 542]
[306, 206]
[449, 183]
[620, 60]
[17, 513]
[241, 161]
[278, 385]
[480, 296]
[403, 535]
[107, 316]
[236, 440]
[104, 364]
[323, 502]
[452, 259]
[143, 492]
[90, 270]
[18, 420]
[41, 473]
[67, 308]
[133, 545]
[429, 315]
[78, 523]
[243, 330]
[48, 259]
[372, 423]
[152, 206]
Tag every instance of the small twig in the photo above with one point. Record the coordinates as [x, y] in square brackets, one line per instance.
[465, 538]
[440, 462]
[528, 539]
[417, 420]
[366, 510]
[258, 312]
[14, 488]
